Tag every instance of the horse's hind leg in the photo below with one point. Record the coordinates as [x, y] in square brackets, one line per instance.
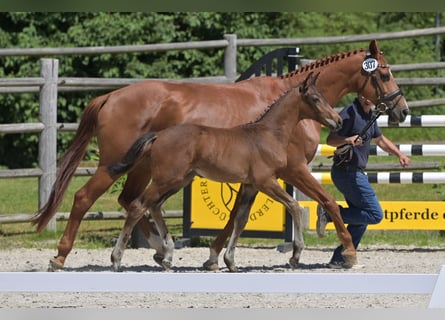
[244, 201]
[83, 200]
[160, 190]
[135, 185]
[135, 212]
[217, 245]
[165, 255]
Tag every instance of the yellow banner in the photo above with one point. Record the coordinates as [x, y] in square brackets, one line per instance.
[398, 215]
[211, 203]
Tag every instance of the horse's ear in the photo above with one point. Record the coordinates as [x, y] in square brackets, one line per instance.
[303, 87]
[315, 79]
[373, 48]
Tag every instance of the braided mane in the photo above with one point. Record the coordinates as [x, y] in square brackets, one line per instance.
[322, 62]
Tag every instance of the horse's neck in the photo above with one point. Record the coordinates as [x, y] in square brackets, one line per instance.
[339, 75]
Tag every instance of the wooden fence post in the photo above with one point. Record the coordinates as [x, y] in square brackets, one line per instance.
[48, 137]
[230, 57]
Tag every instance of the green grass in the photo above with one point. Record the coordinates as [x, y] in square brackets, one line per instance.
[20, 196]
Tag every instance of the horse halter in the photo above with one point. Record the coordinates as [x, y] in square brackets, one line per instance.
[370, 66]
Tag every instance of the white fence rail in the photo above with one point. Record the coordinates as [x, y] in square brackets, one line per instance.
[288, 282]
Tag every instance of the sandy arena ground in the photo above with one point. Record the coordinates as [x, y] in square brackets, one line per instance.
[378, 259]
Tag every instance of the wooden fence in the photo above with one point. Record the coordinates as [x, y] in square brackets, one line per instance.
[49, 83]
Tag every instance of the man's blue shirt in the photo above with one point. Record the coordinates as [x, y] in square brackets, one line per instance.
[354, 120]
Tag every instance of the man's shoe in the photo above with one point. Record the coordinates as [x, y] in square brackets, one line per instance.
[339, 265]
[344, 265]
[322, 221]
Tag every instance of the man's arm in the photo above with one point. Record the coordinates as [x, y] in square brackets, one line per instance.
[388, 146]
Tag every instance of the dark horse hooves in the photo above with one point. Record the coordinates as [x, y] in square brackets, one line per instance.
[210, 266]
[293, 262]
[159, 259]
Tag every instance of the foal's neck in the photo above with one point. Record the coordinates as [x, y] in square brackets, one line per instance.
[283, 114]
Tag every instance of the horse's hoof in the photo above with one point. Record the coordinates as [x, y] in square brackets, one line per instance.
[232, 268]
[210, 266]
[166, 264]
[116, 267]
[55, 265]
[158, 258]
[293, 262]
[349, 258]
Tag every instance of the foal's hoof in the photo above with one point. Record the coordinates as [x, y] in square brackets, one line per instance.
[293, 262]
[233, 268]
[116, 266]
[210, 266]
[55, 265]
[166, 264]
[159, 258]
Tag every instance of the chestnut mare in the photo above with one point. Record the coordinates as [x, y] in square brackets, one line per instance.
[121, 116]
[253, 154]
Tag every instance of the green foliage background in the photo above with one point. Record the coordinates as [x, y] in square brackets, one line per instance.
[73, 29]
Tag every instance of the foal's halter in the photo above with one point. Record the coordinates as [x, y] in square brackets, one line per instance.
[370, 67]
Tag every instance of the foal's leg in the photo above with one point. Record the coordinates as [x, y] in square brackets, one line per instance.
[244, 201]
[165, 256]
[242, 205]
[135, 185]
[159, 191]
[273, 189]
[135, 212]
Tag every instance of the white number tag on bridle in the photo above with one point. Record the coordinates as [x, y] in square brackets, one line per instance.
[370, 64]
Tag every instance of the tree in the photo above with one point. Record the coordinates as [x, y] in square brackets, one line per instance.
[69, 29]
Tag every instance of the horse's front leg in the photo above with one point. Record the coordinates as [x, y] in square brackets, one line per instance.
[298, 244]
[135, 213]
[238, 208]
[244, 201]
[302, 179]
[217, 245]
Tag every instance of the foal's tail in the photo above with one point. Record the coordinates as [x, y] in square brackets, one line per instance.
[70, 161]
[133, 155]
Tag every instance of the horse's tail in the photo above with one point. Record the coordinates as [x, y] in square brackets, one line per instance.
[70, 161]
[133, 155]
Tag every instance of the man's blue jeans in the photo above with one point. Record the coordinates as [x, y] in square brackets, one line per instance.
[363, 206]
